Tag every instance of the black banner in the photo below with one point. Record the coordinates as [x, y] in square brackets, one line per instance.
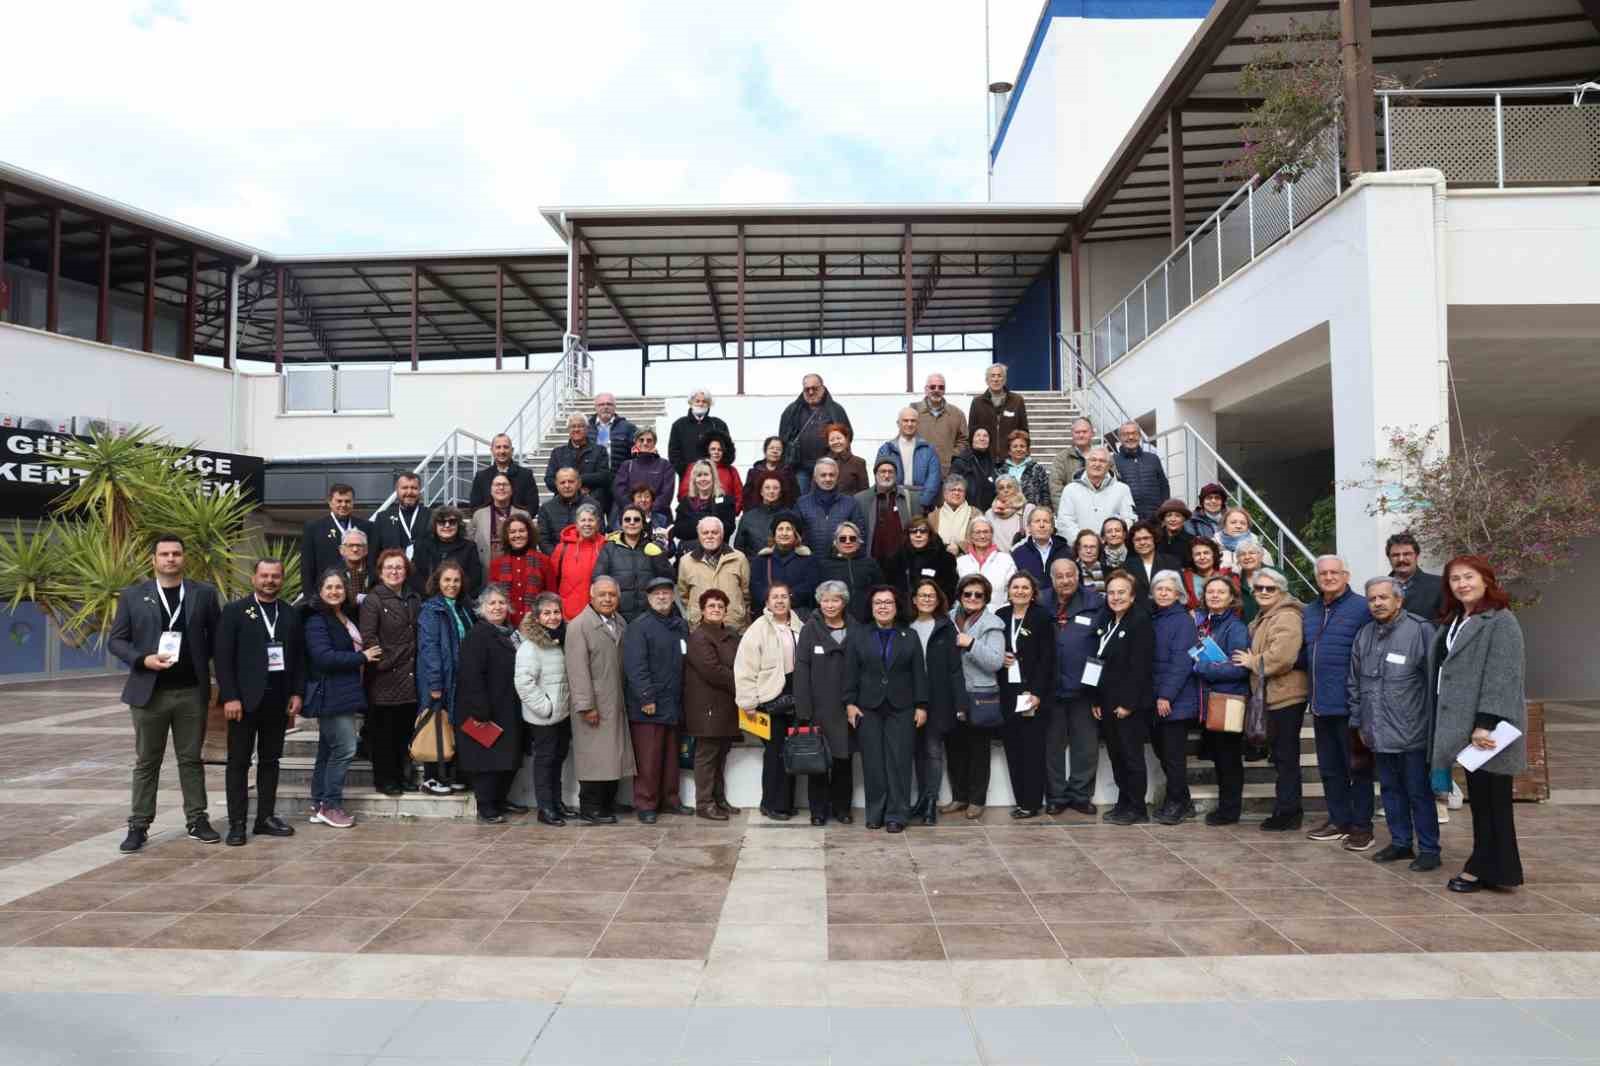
[29, 486]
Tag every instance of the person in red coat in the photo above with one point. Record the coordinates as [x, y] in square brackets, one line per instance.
[574, 559]
[521, 567]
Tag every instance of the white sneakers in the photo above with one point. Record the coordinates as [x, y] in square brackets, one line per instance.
[335, 817]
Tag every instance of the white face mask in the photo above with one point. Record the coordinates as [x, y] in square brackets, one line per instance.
[699, 409]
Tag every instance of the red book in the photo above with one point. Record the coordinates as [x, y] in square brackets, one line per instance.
[485, 733]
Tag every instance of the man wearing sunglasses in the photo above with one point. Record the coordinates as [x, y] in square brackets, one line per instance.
[940, 424]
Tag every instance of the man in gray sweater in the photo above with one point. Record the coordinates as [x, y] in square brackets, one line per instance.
[1391, 707]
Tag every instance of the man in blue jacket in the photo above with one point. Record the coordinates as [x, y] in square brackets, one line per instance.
[824, 507]
[1071, 726]
[1330, 627]
[1140, 469]
[915, 460]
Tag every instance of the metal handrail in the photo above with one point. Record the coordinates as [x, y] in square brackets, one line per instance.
[1094, 384]
[1510, 90]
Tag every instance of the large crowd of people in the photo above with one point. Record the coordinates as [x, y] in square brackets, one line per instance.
[957, 592]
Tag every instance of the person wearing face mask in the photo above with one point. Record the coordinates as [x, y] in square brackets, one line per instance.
[826, 505]
[388, 619]
[634, 560]
[560, 511]
[888, 508]
[921, 555]
[1071, 730]
[683, 442]
[322, 538]
[886, 701]
[448, 542]
[755, 524]
[645, 468]
[716, 448]
[1219, 620]
[1120, 673]
[806, 425]
[602, 751]
[1177, 694]
[488, 521]
[978, 469]
[541, 681]
[847, 563]
[592, 463]
[574, 559]
[771, 464]
[998, 410]
[486, 692]
[521, 568]
[405, 524]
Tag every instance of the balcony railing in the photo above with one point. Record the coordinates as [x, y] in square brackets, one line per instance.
[1253, 219]
[1495, 137]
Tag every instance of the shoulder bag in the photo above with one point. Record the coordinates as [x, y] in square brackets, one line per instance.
[434, 739]
[805, 751]
[985, 710]
[1255, 712]
[1224, 713]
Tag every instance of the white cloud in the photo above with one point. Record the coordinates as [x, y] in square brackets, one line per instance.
[324, 126]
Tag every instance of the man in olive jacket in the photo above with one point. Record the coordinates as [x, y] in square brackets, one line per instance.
[1391, 707]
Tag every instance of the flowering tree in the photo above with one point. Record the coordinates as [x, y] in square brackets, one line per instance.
[1524, 513]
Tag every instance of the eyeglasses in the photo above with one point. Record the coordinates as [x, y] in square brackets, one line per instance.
[633, 518]
[973, 596]
[935, 388]
[1258, 589]
[848, 539]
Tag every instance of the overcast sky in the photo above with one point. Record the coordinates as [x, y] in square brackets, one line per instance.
[339, 126]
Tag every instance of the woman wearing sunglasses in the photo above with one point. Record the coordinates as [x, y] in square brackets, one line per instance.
[849, 563]
[1275, 640]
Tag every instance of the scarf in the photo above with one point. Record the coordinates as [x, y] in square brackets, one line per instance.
[1230, 541]
[1114, 557]
[558, 634]
[1016, 470]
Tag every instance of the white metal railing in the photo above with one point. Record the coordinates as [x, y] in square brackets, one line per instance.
[448, 470]
[1190, 462]
[1253, 219]
[1475, 138]
[332, 389]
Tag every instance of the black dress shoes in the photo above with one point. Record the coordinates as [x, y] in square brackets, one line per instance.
[776, 816]
[200, 829]
[818, 820]
[235, 837]
[1021, 813]
[551, 817]
[134, 840]
[1461, 884]
[844, 817]
[515, 808]
[677, 808]
[874, 825]
[273, 826]
[895, 827]
[570, 812]
[1054, 809]
[491, 819]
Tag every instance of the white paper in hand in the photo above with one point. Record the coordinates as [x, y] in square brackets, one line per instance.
[1473, 758]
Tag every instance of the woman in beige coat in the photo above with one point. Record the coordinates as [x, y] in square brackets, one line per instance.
[763, 679]
[602, 753]
[1275, 640]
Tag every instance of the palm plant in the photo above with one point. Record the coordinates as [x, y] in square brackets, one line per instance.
[117, 475]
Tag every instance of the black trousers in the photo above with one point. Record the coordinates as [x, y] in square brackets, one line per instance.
[550, 746]
[777, 787]
[888, 740]
[966, 756]
[260, 732]
[1125, 739]
[1024, 739]
[389, 728]
[597, 797]
[1071, 750]
[491, 787]
[1170, 740]
[1285, 725]
[828, 795]
[1495, 859]
[1227, 753]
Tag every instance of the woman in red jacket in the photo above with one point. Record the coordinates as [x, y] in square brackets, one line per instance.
[718, 448]
[574, 559]
[521, 567]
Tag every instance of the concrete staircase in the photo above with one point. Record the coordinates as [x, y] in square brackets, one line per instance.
[1050, 418]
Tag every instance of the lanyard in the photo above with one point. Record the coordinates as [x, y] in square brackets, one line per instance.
[270, 626]
[401, 514]
[1450, 636]
[172, 612]
[1016, 628]
[343, 530]
[1105, 640]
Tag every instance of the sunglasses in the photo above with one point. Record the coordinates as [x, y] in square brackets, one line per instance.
[635, 519]
[973, 596]
[1258, 589]
[448, 522]
[847, 539]
[935, 388]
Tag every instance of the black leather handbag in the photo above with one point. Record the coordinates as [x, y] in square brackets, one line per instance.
[805, 751]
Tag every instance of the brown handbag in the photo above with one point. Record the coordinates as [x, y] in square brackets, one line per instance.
[1224, 713]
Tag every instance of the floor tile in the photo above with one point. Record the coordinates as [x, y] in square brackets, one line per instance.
[17, 926]
[72, 896]
[401, 875]
[674, 907]
[467, 905]
[266, 899]
[1351, 934]
[489, 878]
[791, 943]
[322, 934]
[213, 931]
[168, 899]
[1398, 902]
[579, 1036]
[234, 872]
[987, 908]
[470, 1032]
[1190, 1032]
[1553, 933]
[1039, 1036]
[312, 874]
[654, 940]
[1292, 902]
[1116, 941]
[544, 906]
[1017, 941]
[431, 936]
[363, 901]
[792, 1036]
[101, 931]
[868, 908]
[563, 940]
[884, 942]
[925, 1035]
[1249, 937]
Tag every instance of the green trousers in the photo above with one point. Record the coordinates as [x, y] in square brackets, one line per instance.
[183, 712]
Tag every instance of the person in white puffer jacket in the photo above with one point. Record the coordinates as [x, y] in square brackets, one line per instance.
[1093, 496]
[541, 680]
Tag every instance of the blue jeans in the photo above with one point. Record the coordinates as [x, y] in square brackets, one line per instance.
[1349, 792]
[336, 746]
[1408, 799]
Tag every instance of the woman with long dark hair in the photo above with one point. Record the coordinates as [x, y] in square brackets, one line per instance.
[336, 657]
[389, 621]
[1027, 689]
[443, 621]
[1480, 663]
[947, 693]
[521, 567]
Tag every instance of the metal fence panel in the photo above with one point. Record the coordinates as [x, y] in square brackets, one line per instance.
[1456, 139]
[1552, 143]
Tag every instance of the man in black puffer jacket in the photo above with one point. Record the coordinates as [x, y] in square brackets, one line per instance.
[1140, 469]
[803, 424]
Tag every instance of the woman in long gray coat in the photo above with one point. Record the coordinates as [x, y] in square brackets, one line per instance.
[602, 753]
[819, 698]
[1478, 656]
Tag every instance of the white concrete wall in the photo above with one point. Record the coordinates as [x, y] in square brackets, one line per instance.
[1110, 270]
[1090, 81]
[618, 372]
[423, 409]
[1523, 246]
[51, 375]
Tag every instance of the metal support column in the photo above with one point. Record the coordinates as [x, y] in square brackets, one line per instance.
[4, 290]
[277, 325]
[147, 336]
[906, 276]
[191, 305]
[229, 313]
[1176, 220]
[1077, 285]
[739, 310]
[52, 291]
[102, 304]
[499, 317]
[416, 287]
[1355, 47]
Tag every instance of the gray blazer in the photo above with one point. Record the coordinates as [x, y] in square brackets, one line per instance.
[1482, 676]
[136, 632]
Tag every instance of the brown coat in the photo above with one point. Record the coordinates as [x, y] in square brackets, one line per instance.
[947, 433]
[1275, 639]
[388, 619]
[853, 476]
[730, 574]
[708, 705]
[601, 752]
[1000, 421]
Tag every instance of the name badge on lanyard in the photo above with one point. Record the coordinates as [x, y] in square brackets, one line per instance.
[1094, 665]
[1014, 671]
[400, 516]
[170, 644]
[275, 658]
[275, 661]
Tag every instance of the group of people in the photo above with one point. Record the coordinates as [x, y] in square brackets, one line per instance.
[956, 593]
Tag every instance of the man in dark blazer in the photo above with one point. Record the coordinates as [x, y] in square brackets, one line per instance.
[886, 700]
[1422, 591]
[404, 524]
[321, 538]
[611, 431]
[524, 486]
[261, 682]
[165, 630]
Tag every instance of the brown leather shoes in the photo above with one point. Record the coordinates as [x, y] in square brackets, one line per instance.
[710, 813]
